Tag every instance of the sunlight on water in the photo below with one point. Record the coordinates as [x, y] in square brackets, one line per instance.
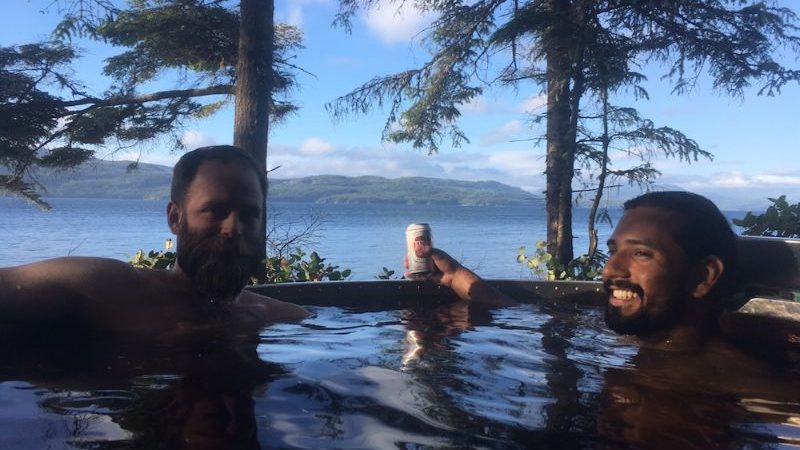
[424, 377]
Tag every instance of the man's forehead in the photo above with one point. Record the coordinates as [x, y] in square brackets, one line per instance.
[646, 225]
[214, 165]
[216, 178]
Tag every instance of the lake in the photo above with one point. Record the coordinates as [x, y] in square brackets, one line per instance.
[361, 237]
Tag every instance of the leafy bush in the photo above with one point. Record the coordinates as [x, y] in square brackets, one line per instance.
[280, 269]
[544, 266]
[283, 269]
[386, 274]
[780, 220]
[153, 260]
[164, 259]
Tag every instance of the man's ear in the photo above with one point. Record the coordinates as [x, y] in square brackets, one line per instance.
[708, 272]
[174, 213]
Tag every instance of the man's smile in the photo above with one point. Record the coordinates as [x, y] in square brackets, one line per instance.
[620, 297]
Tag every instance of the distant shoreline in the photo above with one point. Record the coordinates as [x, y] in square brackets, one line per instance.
[271, 200]
[151, 182]
[114, 180]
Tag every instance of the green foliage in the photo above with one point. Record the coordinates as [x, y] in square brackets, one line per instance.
[601, 41]
[163, 35]
[30, 132]
[163, 259]
[153, 259]
[544, 265]
[48, 119]
[385, 274]
[780, 220]
[573, 50]
[639, 139]
[280, 269]
[292, 267]
[197, 39]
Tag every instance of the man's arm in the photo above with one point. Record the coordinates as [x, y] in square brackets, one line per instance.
[274, 310]
[465, 283]
[58, 289]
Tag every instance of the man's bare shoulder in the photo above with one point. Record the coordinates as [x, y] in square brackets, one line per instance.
[80, 273]
[62, 281]
[271, 309]
[71, 265]
[64, 290]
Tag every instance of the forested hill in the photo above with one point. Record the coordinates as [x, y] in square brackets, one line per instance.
[112, 179]
[416, 190]
[107, 179]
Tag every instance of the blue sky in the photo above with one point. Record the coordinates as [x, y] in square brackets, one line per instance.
[753, 139]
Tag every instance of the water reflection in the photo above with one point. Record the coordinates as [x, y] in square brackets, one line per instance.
[587, 387]
[110, 394]
[529, 376]
[429, 328]
[717, 397]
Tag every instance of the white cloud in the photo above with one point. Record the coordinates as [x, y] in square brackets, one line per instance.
[733, 180]
[482, 105]
[524, 162]
[736, 180]
[737, 190]
[478, 105]
[504, 133]
[396, 21]
[315, 147]
[788, 180]
[193, 139]
[162, 158]
[535, 104]
[515, 168]
[381, 161]
[293, 15]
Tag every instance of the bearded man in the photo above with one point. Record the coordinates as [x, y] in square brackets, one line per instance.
[216, 207]
[671, 259]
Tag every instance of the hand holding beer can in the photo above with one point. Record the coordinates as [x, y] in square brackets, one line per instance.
[418, 248]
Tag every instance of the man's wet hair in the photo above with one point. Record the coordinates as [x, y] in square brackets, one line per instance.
[186, 169]
[701, 231]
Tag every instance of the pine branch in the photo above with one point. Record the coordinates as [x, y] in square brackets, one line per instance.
[118, 100]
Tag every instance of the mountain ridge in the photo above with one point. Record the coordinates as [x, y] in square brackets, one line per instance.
[116, 179]
[113, 179]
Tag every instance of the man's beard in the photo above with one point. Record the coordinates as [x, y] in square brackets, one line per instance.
[218, 267]
[643, 321]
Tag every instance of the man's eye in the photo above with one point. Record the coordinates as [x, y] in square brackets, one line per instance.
[251, 214]
[214, 211]
[642, 254]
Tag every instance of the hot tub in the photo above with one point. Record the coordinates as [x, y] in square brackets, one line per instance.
[401, 364]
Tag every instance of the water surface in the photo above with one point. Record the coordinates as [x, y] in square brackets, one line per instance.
[429, 377]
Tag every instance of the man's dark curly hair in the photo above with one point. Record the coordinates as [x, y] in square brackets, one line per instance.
[701, 231]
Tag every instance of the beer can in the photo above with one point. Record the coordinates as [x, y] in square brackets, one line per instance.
[418, 246]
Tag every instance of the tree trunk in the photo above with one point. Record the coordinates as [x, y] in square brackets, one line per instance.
[254, 86]
[601, 179]
[560, 157]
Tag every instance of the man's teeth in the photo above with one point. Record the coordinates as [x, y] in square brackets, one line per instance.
[624, 294]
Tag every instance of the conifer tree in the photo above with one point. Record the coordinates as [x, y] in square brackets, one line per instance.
[555, 46]
[196, 43]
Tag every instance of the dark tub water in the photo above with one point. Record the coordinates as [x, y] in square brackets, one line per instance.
[523, 377]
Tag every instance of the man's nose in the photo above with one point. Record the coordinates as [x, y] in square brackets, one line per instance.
[231, 226]
[615, 267]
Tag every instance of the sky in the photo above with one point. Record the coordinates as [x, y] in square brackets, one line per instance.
[753, 139]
